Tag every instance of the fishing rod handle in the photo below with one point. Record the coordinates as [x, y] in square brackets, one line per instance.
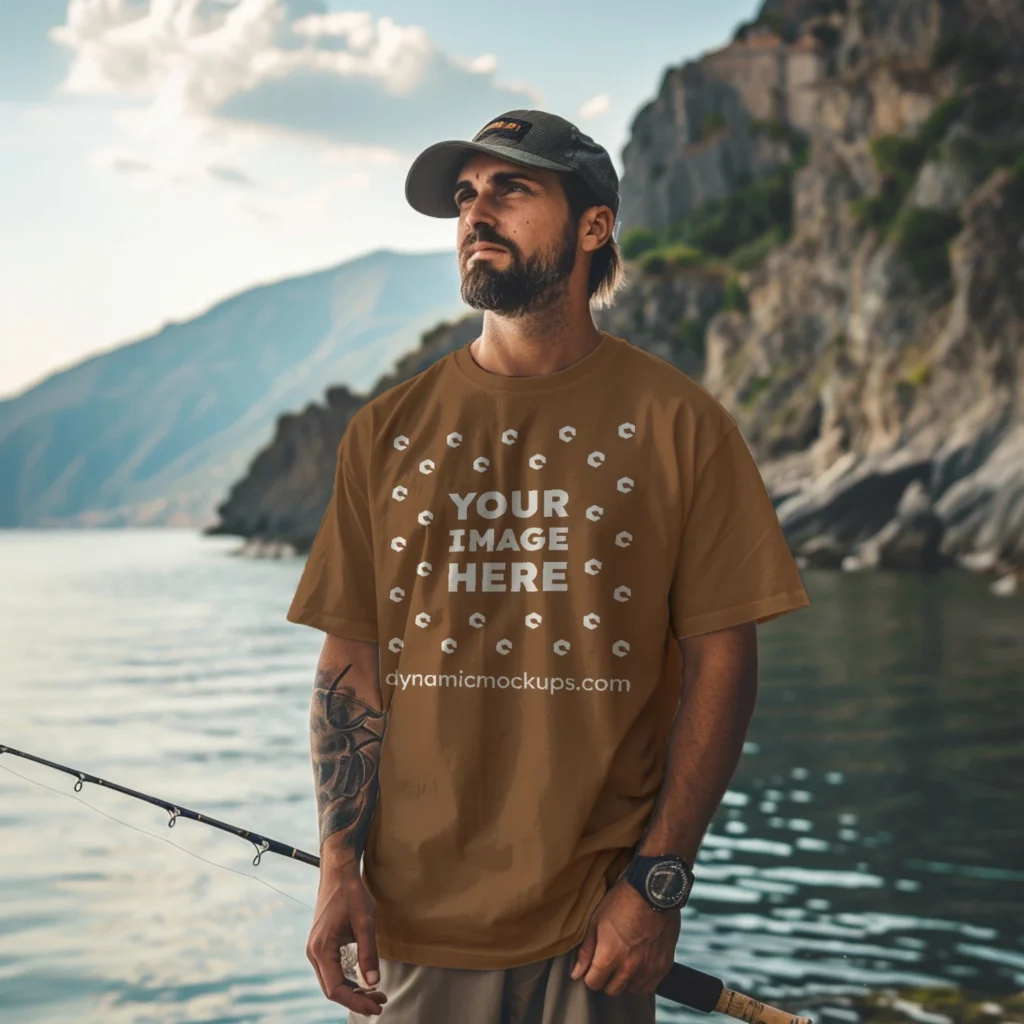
[741, 1007]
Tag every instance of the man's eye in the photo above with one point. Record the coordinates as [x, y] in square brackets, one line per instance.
[461, 197]
[515, 184]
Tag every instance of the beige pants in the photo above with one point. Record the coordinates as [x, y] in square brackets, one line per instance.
[537, 993]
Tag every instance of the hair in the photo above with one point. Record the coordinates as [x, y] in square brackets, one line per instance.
[606, 270]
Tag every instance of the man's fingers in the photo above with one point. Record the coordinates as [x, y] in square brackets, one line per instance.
[358, 999]
[649, 980]
[338, 990]
[585, 953]
[327, 965]
[620, 980]
[366, 939]
[601, 968]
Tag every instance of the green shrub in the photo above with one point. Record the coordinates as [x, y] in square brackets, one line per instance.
[721, 225]
[867, 13]
[681, 255]
[968, 151]
[654, 262]
[741, 31]
[751, 254]
[878, 211]
[946, 50]
[637, 241]
[918, 374]
[991, 106]
[931, 132]
[827, 35]
[1015, 189]
[776, 130]
[922, 237]
[897, 156]
[898, 159]
[779, 131]
[711, 124]
[757, 214]
[801, 151]
[982, 157]
[754, 390]
[774, 21]
[981, 57]
[977, 55]
[690, 336]
[734, 296]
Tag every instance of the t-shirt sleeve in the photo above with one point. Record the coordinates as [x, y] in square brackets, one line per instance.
[734, 562]
[337, 591]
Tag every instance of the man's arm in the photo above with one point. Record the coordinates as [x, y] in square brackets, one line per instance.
[628, 947]
[346, 729]
[718, 696]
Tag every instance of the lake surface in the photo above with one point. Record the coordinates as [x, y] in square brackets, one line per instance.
[872, 835]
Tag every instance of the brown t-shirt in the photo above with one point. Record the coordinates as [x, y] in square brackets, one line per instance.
[526, 552]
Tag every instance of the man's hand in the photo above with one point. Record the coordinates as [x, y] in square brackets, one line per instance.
[628, 946]
[344, 914]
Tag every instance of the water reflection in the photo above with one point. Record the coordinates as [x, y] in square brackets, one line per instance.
[871, 836]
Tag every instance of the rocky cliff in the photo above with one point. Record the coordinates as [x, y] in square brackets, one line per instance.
[278, 504]
[877, 366]
[825, 224]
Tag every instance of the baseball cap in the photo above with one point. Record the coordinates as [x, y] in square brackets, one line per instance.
[533, 138]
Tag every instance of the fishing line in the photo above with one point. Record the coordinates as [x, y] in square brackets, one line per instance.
[163, 839]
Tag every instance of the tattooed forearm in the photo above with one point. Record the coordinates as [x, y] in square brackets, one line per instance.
[345, 738]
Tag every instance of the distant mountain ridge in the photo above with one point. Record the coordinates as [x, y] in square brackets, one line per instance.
[155, 431]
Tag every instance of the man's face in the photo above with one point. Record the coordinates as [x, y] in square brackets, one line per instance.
[516, 240]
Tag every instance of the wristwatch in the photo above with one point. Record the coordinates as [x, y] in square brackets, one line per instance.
[664, 882]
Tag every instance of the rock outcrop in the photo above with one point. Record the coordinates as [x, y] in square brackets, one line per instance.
[878, 372]
[872, 352]
[282, 498]
[709, 129]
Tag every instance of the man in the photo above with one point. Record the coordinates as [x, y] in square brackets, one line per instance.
[540, 573]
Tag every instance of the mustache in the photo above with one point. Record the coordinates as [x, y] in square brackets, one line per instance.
[486, 234]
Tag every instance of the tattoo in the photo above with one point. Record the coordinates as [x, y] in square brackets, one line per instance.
[345, 737]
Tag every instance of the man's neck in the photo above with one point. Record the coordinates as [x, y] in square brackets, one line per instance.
[537, 343]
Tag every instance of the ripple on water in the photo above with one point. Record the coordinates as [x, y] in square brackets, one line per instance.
[179, 676]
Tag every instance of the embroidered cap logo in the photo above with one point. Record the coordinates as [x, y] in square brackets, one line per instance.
[505, 128]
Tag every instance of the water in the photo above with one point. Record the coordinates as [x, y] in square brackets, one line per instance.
[871, 836]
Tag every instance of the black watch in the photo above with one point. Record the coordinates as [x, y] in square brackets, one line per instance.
[664, 882]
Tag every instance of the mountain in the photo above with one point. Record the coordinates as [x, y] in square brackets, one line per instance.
[822, 221]
[153, 432]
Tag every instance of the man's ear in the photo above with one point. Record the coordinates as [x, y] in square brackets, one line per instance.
[596, 227]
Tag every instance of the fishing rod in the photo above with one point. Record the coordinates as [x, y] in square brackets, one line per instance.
[682, 984]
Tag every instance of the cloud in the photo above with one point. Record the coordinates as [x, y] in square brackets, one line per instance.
[303, 206]
[231, 175]
[129, 165]
[595, 106]
[342, 76]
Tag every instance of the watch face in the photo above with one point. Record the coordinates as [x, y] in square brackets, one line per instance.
[667, 885]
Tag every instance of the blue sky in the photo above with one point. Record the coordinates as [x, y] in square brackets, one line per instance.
[159, 155]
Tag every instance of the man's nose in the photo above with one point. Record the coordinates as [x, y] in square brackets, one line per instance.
[480, 211]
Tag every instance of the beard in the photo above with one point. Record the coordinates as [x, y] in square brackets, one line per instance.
[525, 286]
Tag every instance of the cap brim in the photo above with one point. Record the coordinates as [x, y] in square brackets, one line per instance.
[430, 183]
